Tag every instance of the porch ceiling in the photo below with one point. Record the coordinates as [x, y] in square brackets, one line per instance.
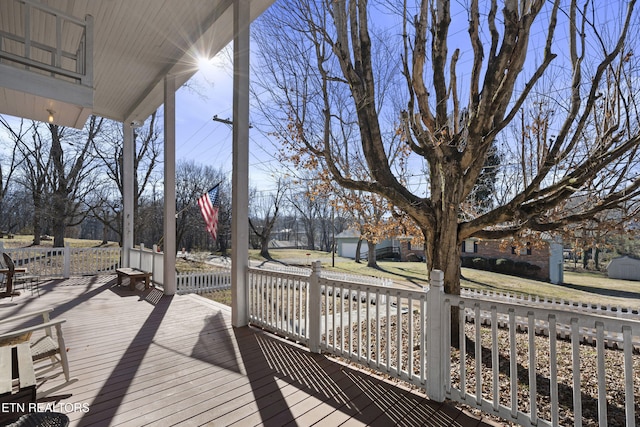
[136, 43]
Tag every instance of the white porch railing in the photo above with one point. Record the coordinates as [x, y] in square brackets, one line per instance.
[280, 302]
[89, 261]
[65, 262]
[501, 391]
[561, 304]
[151, 260]
[406, 334]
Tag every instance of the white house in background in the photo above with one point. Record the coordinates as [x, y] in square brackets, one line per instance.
[347, 242]
[624, 267]
[396, 247]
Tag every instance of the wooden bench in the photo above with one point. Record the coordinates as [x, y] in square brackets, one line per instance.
[134, 274]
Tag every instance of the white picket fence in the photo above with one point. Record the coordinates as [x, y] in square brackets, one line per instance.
[407, 334]
[201, 282]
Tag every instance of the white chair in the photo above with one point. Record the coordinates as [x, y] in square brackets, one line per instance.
[48, 349]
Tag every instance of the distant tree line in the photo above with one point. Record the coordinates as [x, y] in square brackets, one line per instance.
[68, 183]
[291, 217]
[63, 182]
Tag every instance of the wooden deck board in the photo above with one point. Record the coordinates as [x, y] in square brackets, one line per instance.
[145, 360]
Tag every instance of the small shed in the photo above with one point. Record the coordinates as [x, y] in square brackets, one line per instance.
[624, 267]
[347, 242]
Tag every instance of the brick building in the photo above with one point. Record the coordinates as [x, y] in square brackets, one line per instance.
[545, 255]
[410, 252]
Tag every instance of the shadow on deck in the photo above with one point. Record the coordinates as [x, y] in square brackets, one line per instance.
[146, 359]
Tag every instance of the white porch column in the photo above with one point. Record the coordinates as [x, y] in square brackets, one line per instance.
[240, 178]
[127, 192]
[169, 241]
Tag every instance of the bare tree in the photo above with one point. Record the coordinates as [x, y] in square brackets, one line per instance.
[307, 203]
[462, 93]
[72, 175]
[105, 204]
[595, 129]
[12, 160]
[34, 177]
[109, 148]
[58, 171]
[265, 214]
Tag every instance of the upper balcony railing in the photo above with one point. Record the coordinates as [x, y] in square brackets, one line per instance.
[47, 41]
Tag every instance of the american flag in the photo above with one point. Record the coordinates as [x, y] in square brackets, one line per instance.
[209, 207]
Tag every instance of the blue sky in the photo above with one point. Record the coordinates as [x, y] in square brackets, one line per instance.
[201, 139]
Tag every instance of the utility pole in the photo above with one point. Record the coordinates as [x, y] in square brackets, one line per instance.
[333, 236]
[225, 121]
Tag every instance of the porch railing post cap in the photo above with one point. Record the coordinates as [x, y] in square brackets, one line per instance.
[437, 275]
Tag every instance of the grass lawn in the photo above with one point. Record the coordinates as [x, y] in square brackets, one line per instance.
[304, 255]
[585, 287]
[582, 287]
[22, 241]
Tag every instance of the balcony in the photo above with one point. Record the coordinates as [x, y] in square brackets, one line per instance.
[46, 64]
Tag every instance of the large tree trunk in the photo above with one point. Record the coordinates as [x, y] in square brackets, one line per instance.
[442, 242]
[105, 234]
[443, 253]
[37, 219]
[264, 248]
[60, 194]
[358, 250]
[58, 223]
[371, 256]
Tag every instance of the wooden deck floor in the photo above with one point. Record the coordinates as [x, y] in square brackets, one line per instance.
[144, 359]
